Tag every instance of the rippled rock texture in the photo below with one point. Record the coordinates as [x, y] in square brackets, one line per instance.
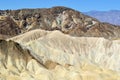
[56, 56]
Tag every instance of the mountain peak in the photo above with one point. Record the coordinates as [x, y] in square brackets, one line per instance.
[66, 20]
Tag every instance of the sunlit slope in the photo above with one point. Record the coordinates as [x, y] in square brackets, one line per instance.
[57, 56]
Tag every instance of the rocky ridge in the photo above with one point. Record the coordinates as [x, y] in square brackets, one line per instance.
[66, 20]
[57, 56]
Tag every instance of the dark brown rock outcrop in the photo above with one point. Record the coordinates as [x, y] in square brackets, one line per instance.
[67, 20]
[8, 27]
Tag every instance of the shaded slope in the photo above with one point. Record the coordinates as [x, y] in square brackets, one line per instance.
[16, 63]
[8, 27]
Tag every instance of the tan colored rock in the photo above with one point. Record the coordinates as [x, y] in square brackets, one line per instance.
[54, 24]
[29, 36]
[50, 64]
[3, 17]
[99, 50]
[57, 56]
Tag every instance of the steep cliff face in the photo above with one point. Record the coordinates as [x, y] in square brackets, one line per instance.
[64, 19]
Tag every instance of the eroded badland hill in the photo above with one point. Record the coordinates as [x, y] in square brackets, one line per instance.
[57, 43]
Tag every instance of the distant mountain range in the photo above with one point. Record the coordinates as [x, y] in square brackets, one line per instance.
[112, 16]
